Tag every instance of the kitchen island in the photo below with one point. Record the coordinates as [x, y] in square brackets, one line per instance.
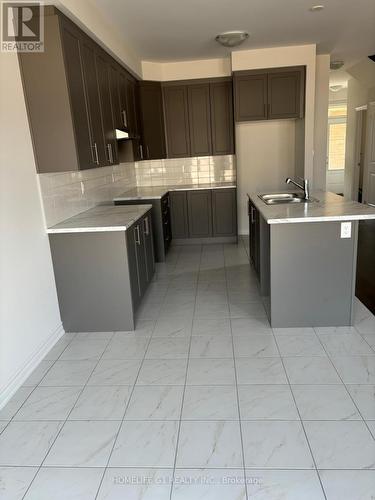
[305, 255]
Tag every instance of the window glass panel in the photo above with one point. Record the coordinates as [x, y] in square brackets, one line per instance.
[337, 110]
[336, 146]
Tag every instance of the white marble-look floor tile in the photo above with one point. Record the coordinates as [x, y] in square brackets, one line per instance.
[324, 402]
[342, 330]
[173, 327]
[311, 370]
[59, 347]
[355, 369]
[83, 444]
[211, 346]
[364, 320]
[350, 344]
[255, 346]
[3, 424]
[14, 481]
[266, 402]
[162, 372]
[148, 311]
[38, 374]
[341, 445]
[101, 403]
[68, 373]
[212, 310]
[143, 327]
[136, 484]
[293, 331]
[145, 444]
[210, 403]
[211, 327]
[89, 336]
[63, 484]
[80, 349]
[49, 403]
[300, 345]
[275, 445]
[348, 484]
[115, 372]
[283, 485]
[168, 348]
[250, 326]
[370, 339]
[371, 425]
[15, 403]
[210, 372]
[155, 403]
[126, 347]
[209, 445]
[260, 371]
[27, 443]
[247, 310]
[364, 398]
[209, 484]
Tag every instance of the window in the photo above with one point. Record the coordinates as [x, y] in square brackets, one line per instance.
[336, 136]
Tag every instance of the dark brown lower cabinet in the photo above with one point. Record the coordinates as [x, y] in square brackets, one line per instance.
[224, 212]
[200, 213]
[179, 214]
[254, 235]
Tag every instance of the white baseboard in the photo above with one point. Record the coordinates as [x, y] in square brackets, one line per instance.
[29, 366]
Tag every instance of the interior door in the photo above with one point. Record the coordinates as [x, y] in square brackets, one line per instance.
[369, 174]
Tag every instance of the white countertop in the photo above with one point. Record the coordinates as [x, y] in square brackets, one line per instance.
[157, 192]
[329, 207]
[101, 218]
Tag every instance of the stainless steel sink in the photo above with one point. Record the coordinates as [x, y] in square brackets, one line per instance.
[276, 198]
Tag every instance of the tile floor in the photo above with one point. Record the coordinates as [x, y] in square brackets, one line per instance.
[203, 401]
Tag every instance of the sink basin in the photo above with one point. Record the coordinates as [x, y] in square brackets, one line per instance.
[276, 198]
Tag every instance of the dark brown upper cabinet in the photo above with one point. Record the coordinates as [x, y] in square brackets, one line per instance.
[176, 114]
[199, 119]
[221, 96]
[269, 94]
[152, 120]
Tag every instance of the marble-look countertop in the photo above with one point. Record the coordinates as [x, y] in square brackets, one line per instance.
[328, 207]
[101, 218]
[157, 192]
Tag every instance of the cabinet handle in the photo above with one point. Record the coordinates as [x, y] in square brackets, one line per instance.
[252, 215]
[141, 151]
[110, 154]
[147, 227]
[124, 118]
[148, 152]
[96, 156]
[137, 236]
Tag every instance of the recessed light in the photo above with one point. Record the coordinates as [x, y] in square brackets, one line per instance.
[336, 88]
[232, 38]
[316, 8]
[336, 64]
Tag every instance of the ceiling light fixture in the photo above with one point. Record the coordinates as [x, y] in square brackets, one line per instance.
[232, 38]
[316, 8]
[336, 88]
[336, 65]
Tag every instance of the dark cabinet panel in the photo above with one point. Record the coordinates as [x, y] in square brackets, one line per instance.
[115, 95]
[123, 92]
[285, 94]
[199, 119]
[251, 97]
[139, 239]
[254, 235]
[102, 68]
[92, 91]
[222, 118]
[179, 214]
[200, 213]
[152, 120]
[131, 106]
[224, 212]
[133, 266]
[149, 246]
[177, 121]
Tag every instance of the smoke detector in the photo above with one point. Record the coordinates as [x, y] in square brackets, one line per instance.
[336, 65]
[232, 38]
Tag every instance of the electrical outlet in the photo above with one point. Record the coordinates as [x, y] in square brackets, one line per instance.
[346, 229]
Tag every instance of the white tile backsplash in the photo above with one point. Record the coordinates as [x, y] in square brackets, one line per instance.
[66, 194]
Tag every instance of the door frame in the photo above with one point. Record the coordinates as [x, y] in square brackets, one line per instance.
[369, 138]
[357, 151]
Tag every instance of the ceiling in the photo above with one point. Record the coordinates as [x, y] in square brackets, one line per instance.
[173, 30]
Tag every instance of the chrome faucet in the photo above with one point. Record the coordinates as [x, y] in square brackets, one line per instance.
[304, 186]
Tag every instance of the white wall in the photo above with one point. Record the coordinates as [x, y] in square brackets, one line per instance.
[185, 70]
[29, 315]
[265, 157]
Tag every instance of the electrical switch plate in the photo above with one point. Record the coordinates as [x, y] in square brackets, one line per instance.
[346, 229]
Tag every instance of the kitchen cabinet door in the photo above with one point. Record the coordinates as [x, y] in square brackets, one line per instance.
[251, 96]
[254, 235]
[199, 119]
[179, 214]
[114, 75]
[149, 246]
[286, 89]
[102, 68]
[177, 121]
[131, 106]
[221, 97]
[152, 120]
[123, 97]
[133, 266]
[200, 213]
[139, 237]
[92, 91]
[224, 212]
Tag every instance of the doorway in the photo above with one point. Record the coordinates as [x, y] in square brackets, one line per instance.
[336, 141]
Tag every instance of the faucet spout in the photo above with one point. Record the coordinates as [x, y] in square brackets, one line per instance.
[304, 186]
